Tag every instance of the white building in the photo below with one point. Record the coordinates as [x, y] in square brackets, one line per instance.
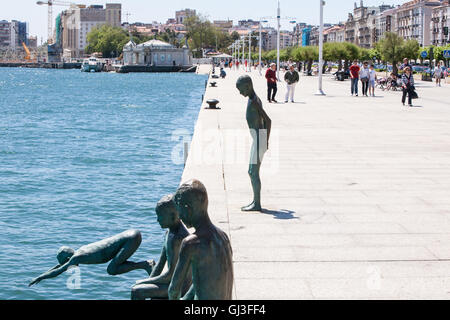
[440, 24]
[386, 21]
[78, 21]
[156, 53]
[414, 19]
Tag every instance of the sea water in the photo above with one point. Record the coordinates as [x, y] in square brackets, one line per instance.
[84, 157]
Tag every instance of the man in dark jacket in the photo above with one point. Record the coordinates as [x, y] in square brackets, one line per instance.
[291, 77]
[271, 76]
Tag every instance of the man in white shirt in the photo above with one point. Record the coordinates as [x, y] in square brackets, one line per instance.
[292, 78]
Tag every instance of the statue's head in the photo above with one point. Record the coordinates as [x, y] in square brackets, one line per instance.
[166, 212]
[245, 85]
[191, 200]
[64, 254]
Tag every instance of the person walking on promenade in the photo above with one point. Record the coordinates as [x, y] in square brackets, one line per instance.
[354, 75]
[439, 70]
[291, 77]
[407, 85]
[405, 64]
[364, 76]
[271, 76]
[372, 80]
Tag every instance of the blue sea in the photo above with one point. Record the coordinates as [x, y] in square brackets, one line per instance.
[84, 157]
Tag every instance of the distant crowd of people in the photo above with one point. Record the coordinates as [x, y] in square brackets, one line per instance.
[364, 73]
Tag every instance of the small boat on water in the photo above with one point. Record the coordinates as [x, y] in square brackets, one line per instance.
[91, 65]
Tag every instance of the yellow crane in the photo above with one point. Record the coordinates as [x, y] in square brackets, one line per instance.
[28, 56]
[27, 51]
[50, 4]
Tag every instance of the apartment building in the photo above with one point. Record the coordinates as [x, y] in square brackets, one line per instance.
[182, 15]
[223, 25]
[361, 25]
[314, 34]
[13, 34]
[386, 21]
[414, 20]
[440, 24]
[334, 34]
[78, 21]
[248, 23]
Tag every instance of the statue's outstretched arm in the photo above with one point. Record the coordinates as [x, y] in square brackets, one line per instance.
[181, 270]
[52, 273]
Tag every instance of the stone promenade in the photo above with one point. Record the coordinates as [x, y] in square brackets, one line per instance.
[356, 191]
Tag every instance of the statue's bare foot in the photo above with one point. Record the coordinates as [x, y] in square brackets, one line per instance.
[252, 207]
[150, 264]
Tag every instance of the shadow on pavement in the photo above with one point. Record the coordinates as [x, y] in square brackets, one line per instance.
[281, 214]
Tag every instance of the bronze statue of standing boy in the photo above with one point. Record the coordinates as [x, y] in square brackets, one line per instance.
[260, 125]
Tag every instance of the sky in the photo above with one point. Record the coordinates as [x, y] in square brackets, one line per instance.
[150, 10]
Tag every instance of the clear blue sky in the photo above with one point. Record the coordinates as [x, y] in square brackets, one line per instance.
[150, 10]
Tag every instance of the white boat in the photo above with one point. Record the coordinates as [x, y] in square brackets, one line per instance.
[91, 65]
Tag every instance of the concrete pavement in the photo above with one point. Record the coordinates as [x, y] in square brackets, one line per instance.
[356, 192]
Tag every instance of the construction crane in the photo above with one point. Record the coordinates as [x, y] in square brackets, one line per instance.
[28, 56]
[50, 4]
[27, 51]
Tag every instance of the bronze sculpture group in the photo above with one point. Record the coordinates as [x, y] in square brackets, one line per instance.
[192, 266]
[195, 266]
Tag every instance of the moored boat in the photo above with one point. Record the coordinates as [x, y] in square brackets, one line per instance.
[91, 65]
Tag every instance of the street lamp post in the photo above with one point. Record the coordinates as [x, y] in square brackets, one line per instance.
[278, 39]
[243, 52]
[249, 69]
[238, 51]
[232, 53]
[320, 91]
[260, 43]
[260, 47]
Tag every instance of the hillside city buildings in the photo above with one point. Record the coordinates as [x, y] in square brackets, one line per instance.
[426, 21]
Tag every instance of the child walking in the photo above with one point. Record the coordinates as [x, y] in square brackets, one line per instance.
[372, 80]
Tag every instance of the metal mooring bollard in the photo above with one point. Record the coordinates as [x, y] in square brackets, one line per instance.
[212, 103]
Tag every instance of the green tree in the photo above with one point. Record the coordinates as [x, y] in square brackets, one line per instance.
[201, 34]
[351, 53]
[223, 40]
[107, 40]
[329, 54]
[307, 55]
[286, 54]
[270, 55]
[391, 47]
[338, 51]
[411, 49]
[235, 36]
[375, 53]
[364, 54]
